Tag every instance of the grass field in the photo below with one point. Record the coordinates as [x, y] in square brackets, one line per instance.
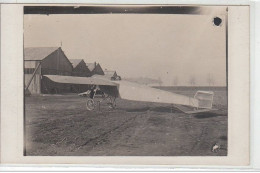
[61, 125]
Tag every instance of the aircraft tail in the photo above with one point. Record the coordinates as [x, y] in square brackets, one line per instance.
[205, 99]
[205, 102]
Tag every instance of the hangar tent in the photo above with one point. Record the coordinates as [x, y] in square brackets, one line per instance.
[40, 61]
[80, 68]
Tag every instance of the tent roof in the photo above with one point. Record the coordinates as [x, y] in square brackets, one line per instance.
[75, 62]
[38, 53]
[91, 66]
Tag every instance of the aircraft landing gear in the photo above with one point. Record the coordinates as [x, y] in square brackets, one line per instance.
[112, 102]
[91, 104]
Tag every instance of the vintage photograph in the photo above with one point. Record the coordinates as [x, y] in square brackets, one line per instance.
[130, 80]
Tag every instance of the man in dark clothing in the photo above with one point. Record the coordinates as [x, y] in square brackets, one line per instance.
[92, 92]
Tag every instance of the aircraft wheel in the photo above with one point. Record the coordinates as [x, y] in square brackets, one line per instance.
[90, 104]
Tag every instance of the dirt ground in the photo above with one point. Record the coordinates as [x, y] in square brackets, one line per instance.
[60, 125]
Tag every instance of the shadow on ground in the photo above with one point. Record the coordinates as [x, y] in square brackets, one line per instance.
[162, 109]
[223, 138]
[208, 115]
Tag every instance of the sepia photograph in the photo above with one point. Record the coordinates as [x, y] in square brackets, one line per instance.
[125, 80]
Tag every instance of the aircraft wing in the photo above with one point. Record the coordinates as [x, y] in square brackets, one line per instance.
[79, 80]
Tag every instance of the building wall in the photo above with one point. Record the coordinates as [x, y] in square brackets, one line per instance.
[81, 70]
[35, 85]
[29, 68]
[30, 64]
[56, 64]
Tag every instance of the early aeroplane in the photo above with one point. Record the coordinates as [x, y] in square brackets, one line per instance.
[112, 89]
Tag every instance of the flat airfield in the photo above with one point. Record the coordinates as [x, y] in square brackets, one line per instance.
[60, 125]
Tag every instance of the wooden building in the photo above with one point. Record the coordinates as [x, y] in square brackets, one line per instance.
[80, 68]
[95, 68]
[40, 61]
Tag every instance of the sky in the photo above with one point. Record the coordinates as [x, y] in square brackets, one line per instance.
[170, 47]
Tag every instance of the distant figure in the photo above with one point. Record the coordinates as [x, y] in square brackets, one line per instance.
[215, 148]
[93, 91]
